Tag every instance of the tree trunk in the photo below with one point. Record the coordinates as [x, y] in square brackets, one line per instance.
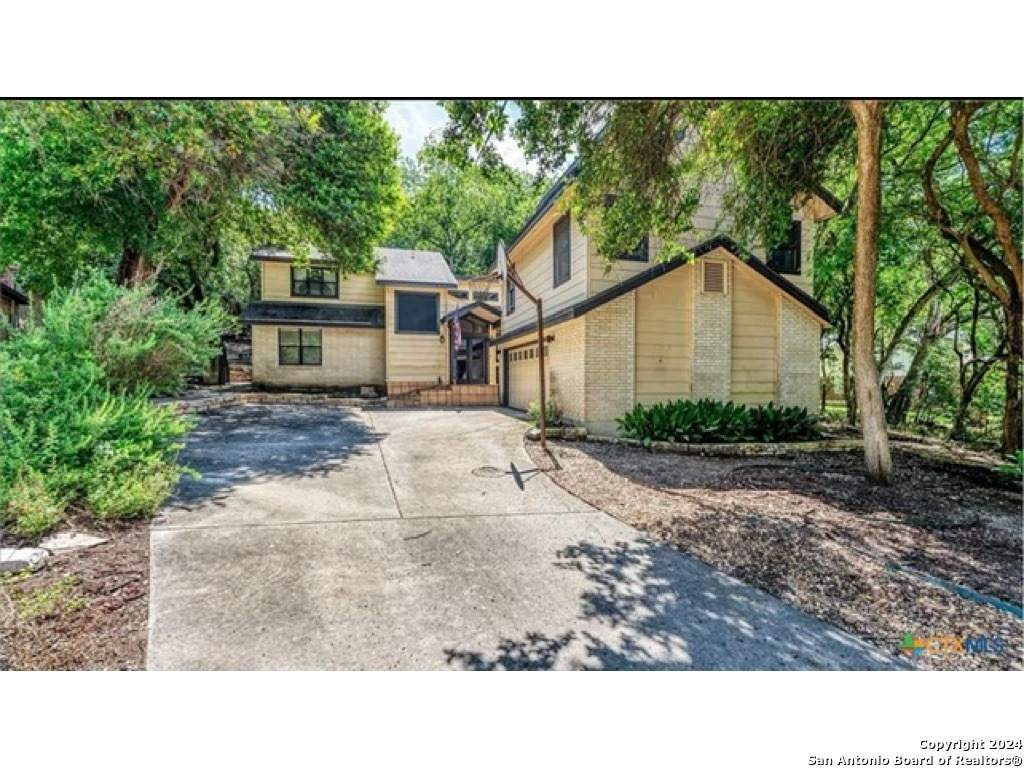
[878, 459]
[1012, 407]
[970, 388]
[849, 395]
[903, 398]
[133, 268]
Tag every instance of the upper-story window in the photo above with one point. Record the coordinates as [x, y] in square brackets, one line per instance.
[315, 281]
[641, 253]
[786, 258]
[485, 296]
[416, 312]
[510, 294]
[563, 250]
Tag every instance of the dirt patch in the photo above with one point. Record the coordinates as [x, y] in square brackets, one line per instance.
[84, 609]
[812, 531]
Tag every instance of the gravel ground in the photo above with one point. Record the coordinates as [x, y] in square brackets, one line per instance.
[84, 609]
[812, 531]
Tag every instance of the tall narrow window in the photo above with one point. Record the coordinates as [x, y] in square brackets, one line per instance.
[315, 281]
[299, 346]
[786, 258]
[563, 250]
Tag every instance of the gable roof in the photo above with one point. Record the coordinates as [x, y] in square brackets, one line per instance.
[481, 309]
[631, 284]
[404, 267]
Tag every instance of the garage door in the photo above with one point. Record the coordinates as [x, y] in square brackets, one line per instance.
[523, 387]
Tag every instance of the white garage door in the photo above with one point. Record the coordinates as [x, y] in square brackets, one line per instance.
[523, 386]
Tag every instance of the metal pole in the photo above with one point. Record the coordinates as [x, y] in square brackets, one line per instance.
[543, 420]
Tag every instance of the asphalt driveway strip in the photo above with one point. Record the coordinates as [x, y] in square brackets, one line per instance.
[320, 537]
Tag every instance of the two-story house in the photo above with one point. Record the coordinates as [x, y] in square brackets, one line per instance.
[411, 329]
[727, 324]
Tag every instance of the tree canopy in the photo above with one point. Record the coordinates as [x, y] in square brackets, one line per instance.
[462, 210]
[183, 188]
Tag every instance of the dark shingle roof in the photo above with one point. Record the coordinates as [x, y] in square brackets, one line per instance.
[295, 313]
[403, 267]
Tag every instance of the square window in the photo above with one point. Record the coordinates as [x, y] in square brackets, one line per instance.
[300, 346]
[416, 312]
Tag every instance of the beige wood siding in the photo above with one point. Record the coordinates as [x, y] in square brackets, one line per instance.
[534, 262]
[351, 357]
[664, 338]
[415, 356]
[754, 338]
[603, 274]
[352, 289]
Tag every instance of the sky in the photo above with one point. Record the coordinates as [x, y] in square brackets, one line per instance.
[414, 121]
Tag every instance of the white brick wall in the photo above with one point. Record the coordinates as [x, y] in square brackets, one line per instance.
[799, 366]
[712, 338]
[610, 369]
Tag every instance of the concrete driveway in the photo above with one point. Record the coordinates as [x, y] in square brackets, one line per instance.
[327, 538]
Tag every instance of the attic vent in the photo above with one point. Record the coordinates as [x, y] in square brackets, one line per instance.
[714, 277]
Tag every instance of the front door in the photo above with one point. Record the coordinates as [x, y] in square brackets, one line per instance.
[471, 360]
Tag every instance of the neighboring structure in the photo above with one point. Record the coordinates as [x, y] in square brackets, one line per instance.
[727, 325]
[412, 329]
[14, 304]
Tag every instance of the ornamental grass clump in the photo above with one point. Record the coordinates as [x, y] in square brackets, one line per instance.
[713, 421]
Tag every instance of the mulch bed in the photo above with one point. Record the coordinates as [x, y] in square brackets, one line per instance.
[84, 609]
[810, 530]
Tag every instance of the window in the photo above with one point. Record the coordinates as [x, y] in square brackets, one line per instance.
[786, 258]
[299, 346]
[459, 294]
[416, 312]
[315, 281]
[511, 303]
[640, 253]
[485, 296]
[563, 250]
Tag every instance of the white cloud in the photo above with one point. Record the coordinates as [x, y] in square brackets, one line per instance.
[415, 121]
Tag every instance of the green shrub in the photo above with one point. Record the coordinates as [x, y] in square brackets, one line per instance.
[554, 414]
[144, 341]
[712, 421]
[1014, 466]
[74, 430]
[32, 508]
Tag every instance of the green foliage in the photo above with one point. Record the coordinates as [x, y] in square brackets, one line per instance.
[553, 415]
[190, 187]
[48, 601]
[712, 421]
[1014, 466]
[461, 211]
[31, 506]
[71, 433]
[147, 342]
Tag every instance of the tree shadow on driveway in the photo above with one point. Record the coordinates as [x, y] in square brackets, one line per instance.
[646, 606]
[258, 443]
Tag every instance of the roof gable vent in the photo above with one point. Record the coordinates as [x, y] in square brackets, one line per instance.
[714, 277]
